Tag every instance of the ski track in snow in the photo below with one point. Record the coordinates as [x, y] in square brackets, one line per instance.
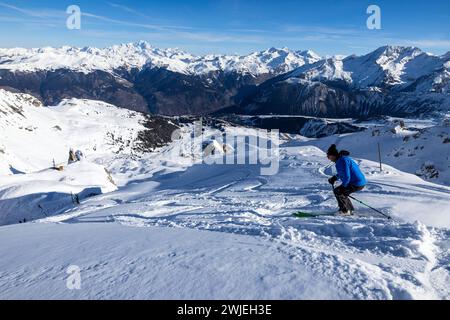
[364, 257]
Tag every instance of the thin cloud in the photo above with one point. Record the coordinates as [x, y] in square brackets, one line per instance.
[175, 35]
[127, 9]
[136, 12]
[181, 32]
[122, 7]
[45, 14]
[33, 12]
[131, 24]
[27, 21]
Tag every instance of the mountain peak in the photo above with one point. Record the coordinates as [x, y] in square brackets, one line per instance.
[142, 44]
[310, 53]
[391, 50]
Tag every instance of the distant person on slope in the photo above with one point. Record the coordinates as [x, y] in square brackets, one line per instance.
[350, 175]
[72, 157]
[79, 155]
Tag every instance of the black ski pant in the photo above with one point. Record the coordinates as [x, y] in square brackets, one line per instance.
[342, 198]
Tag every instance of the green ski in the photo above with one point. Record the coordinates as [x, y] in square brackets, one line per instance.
[301, 214]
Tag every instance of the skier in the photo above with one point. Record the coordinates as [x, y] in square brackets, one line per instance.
[79, 155]
[350, 175]
[72, 157]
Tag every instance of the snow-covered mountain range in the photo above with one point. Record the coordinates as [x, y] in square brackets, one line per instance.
[388, 66]
[391, 80]
[141, 55]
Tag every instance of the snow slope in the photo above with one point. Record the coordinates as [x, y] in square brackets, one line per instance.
[48, 192]
[150, 263]
[419, 147]
[34, 138]
[176, 227]
[34, 135]
[141, 54]
[300, 167]
[179, 228]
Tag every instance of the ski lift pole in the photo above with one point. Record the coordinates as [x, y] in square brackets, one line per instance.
[379, 157]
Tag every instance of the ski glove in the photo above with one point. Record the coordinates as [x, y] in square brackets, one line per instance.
[332, 180]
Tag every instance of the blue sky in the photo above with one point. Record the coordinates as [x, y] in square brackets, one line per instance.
[229, 26]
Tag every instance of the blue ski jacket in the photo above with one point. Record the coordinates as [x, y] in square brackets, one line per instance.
[348, 171]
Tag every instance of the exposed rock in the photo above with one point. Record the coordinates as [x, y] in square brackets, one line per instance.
[428, 171]
[158, 133]
[51, 87]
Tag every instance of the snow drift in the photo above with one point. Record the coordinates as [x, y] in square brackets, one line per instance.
[26, 197]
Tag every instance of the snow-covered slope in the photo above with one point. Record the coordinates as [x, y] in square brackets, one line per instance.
[179, 228]
[26, 197]
[119, 262]
[33, 135]
[142, 54]
[419, 147]
[35, 138]
[172, 226]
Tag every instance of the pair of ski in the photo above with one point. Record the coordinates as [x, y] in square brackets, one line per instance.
[302, 214]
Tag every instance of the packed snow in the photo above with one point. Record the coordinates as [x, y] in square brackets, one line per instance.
[167, 225]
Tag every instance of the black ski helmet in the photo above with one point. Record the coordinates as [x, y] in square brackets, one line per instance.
[333, 151]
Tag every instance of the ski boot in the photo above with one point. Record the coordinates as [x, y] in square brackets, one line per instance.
[344, 213]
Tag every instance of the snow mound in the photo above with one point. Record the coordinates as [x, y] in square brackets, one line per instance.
[48, 192]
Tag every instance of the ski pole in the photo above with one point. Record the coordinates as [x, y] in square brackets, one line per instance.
[383, 214]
